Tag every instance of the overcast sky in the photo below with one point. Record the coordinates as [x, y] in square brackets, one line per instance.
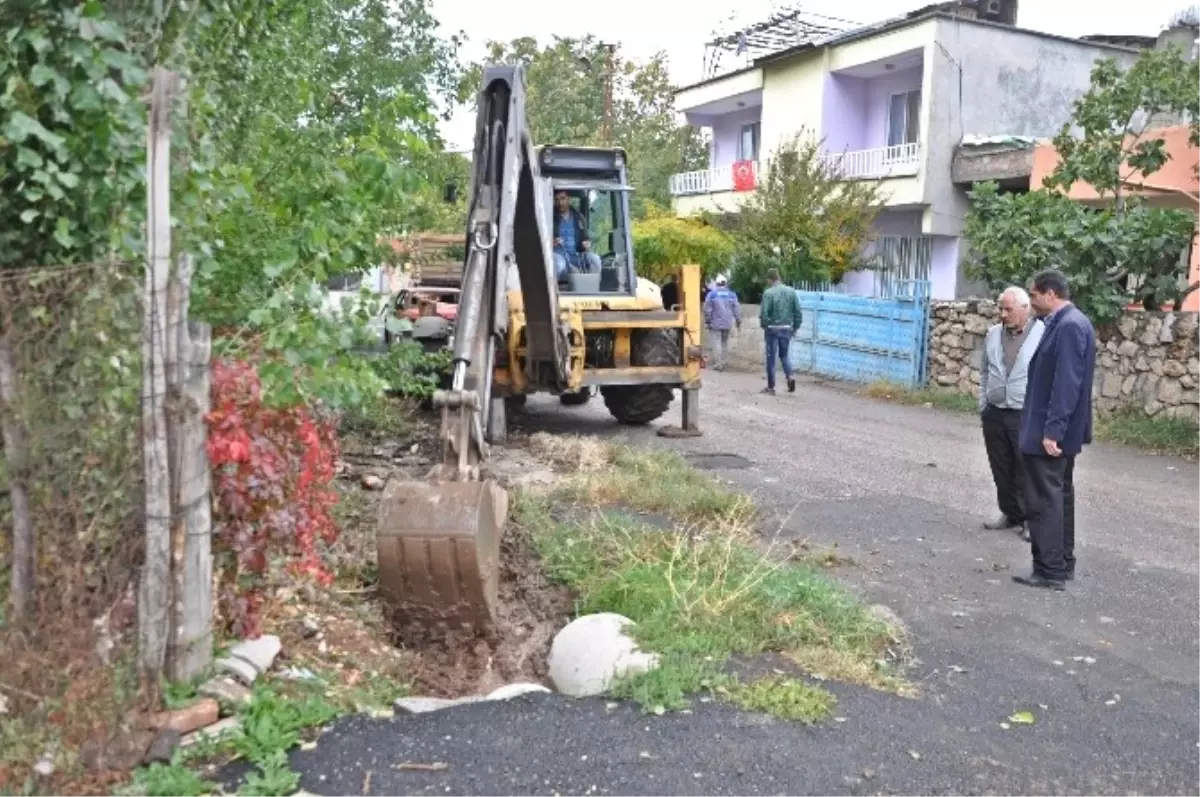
[680, 27]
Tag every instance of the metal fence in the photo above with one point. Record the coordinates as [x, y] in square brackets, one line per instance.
[865, 338]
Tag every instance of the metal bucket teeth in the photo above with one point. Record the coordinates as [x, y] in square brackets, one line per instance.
[439, 554]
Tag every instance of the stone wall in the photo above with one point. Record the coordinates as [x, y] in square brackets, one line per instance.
[747, 349]
[1146, 360]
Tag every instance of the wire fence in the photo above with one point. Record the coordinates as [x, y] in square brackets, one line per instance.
[70, 482]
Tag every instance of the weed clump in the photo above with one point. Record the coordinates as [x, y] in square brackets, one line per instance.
[700, 587]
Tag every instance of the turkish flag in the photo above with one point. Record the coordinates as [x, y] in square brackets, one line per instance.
[743, 175]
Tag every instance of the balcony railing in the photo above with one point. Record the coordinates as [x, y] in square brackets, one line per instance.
[704, 181]
[863, 164]
[898, 161]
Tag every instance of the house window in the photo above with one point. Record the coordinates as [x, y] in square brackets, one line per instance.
[904, 118]
[748, 142]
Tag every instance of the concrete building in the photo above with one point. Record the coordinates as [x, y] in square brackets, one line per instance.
[892, 102]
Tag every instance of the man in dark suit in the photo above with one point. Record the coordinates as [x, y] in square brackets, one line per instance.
[1056, 423]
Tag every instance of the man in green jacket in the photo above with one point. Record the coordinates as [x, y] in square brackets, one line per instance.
[779, 317]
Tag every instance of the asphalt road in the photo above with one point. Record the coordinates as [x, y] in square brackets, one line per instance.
[1109, 668]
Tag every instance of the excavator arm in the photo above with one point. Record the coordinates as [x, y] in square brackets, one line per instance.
[439, 538]
[504, 239]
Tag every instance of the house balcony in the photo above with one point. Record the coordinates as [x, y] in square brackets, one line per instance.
[716, 180]
[877, 163]
[871, 117]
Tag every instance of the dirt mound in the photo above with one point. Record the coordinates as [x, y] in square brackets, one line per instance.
[571, 453]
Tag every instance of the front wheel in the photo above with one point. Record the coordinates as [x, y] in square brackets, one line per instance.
[637, 405]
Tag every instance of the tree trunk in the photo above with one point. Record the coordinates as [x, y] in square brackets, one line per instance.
[24, 549]
[1183, 296]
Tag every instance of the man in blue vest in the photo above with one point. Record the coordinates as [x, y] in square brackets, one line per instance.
[721, 315]
[572, 246]
[1004, 373]
[1055, 425]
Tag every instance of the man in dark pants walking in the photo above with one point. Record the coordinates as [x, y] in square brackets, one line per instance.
[779, 316]
[1007, 349]
[1055, 425]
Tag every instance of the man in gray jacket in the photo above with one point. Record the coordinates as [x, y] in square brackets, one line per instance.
[721, 314]
[1007, 350]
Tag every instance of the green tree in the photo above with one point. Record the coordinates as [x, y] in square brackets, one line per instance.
[662, 240]
[565, 105]
[1125, 242]
[72, 135]
[312, 130]
[804, 219]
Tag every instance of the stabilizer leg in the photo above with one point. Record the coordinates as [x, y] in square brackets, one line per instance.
[690, 426]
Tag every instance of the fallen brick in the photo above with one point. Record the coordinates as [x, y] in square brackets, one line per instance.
[204, 711]
[213, 731]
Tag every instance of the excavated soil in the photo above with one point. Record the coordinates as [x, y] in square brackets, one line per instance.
[530, 609]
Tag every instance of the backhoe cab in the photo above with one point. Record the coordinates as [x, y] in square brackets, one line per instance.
[632, 349]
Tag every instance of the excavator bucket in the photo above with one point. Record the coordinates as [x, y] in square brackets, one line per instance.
[439, 554]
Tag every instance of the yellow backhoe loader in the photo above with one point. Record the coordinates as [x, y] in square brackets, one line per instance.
[522, 328]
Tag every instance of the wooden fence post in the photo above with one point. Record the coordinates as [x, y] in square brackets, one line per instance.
[191, 639]
[154, 591]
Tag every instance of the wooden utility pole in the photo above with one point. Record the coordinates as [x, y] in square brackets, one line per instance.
[609, 68]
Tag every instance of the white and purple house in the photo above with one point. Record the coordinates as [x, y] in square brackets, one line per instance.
[893, 102]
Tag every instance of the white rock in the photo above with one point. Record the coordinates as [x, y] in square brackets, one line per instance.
[422, 705]
[515, 690]
[239, 668]
[259, 652]
[44, 766]
[298, 674]
[593, 651]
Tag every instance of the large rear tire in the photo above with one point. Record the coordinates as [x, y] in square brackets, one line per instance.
[637, 405]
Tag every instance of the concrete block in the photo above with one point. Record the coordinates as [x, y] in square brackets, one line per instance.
[423, 705]
[510, 691]
[260, 652]
[593, 651]
[214, 731]
[226, 691]
[239, 668]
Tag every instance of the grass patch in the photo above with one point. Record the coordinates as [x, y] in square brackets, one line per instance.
[378, 418]
[924, 396]
[660, 482]
[277, 718]
[1157, 434]
[786, 698]
[700, 591]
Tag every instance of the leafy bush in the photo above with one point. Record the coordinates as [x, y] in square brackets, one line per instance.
[1013, 236]
[410, 371]
[748, 274]
[662, 241]
[273, 470]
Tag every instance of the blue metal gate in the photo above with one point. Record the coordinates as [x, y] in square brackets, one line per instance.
[864, 339]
